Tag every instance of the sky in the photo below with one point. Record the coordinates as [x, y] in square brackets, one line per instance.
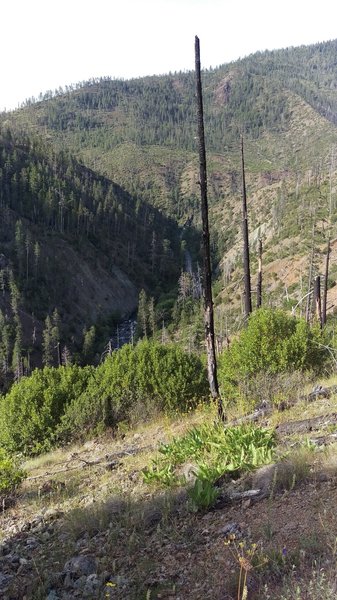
[45, 44]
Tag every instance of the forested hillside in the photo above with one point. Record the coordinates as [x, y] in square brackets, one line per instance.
[75, 250]
[141, 135]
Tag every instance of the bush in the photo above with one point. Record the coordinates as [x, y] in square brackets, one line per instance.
[148, 377]
[10, 473]
[31, 410]
[273, 342]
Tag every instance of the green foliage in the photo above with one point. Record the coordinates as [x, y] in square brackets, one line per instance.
[10, 473]
[30, 412]
[273, 342]
[148, 375]
[203, 494]
[217, 451]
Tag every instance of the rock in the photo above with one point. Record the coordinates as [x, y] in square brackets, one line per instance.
[4, 549]
[231, 528]
[80, 582]
[189, 472]
[152, 517]
[52, 595]
[92, 584]
[56, 579]
[13, 559]
[5, 579]
[32, 542]
[319, 392]
[111, 466]
[264, 477]
[80, 565]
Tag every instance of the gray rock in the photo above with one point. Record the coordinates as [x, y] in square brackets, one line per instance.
[264, 478]
[231, 528]
[152, 517]
[52, 595]
[5, 579]
[80, 582]
[80, 565]
[92, 584]
[4, 549]
[189, 472]
[32, 542]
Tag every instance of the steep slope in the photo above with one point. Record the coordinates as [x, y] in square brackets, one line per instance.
[75, 241]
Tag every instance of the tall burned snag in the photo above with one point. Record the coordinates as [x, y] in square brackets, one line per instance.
[259, 276]
[317, 299]
[325, 290]
[207, 274]
[246, 265]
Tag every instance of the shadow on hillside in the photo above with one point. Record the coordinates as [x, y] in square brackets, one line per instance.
[140, 547]
[157, 548]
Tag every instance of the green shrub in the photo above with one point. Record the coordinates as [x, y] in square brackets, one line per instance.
[10, 473]
[31, 410]
[273, 342]
[148, 375]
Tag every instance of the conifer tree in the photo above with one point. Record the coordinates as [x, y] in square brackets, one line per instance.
[142, 315]
[48, 343]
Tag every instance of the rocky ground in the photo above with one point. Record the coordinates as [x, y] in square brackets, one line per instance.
[84, 525]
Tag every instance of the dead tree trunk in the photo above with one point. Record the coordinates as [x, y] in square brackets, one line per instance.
[259, 277]
[311, 267]
[325, 291]
[207, 275]
[246, 266]
[317, 299]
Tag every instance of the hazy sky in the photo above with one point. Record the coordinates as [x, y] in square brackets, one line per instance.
[45, 44]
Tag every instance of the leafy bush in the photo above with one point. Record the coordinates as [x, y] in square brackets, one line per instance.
[10, 473]
[148, 375]
[33, 407]
[273, 342]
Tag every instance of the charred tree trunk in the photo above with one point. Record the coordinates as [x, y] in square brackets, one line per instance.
[317, 299]
[325, 292]
[207, 274]
[259, 277]
[307, 308]
[246, 266]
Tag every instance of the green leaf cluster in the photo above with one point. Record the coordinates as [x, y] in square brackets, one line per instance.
[10, 472]
[216, 452]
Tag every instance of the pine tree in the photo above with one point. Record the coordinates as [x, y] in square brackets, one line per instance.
[48, 343]
[142, 315]
[152, 316]
[89, 342]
